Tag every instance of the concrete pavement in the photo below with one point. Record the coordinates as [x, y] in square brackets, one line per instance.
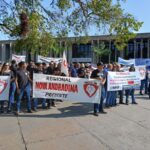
[71, 126]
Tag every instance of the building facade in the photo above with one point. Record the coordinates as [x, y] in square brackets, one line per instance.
[139, 47]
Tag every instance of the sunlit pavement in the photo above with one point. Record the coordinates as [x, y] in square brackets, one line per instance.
[71, 126]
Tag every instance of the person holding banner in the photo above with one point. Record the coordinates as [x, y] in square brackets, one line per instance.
[5, 71]
[39, 70]
[109, 93]
[130, 91]
[23, 84]
[121, 91]
[144, 84]
[113, 99]
[99, 75]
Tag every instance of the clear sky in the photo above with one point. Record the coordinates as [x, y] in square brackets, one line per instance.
[139, 8]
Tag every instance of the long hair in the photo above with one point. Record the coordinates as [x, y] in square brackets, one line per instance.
[3, 67]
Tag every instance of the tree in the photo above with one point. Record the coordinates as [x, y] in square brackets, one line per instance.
[100, 51]
[31, 22]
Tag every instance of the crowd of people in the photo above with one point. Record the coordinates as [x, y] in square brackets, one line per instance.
[22, 78]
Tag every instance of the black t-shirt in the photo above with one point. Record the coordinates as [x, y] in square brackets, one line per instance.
[81, 73]
[38, 71]
[98, 74]
[31, 71]
[14, 69]
[23, 78]
[50, 71]
[11, 74]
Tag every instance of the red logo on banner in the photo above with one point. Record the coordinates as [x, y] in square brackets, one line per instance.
[130, 82]
[3, 86]
[90, 88]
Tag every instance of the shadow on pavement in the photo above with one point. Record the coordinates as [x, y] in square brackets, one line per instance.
[142, 97]
[76, 110]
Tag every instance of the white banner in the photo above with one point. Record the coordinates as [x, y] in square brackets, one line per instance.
[47, 60]
[123, 80]
[126, 62]
[18, 58]
[142, 71]
[66, 88]
[4, 87]
[85, 60]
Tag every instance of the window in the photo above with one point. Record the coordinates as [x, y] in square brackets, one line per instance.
[7, 52]
[81, 51]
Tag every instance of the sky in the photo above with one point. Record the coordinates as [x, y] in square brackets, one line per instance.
[140, 9]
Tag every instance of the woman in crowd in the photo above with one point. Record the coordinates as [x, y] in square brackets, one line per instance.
[129, 92]
[109, 93]
[5, 71]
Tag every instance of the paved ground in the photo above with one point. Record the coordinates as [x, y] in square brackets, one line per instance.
[73, 127]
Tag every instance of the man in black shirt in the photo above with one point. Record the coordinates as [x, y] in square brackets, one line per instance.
[23, 84]
[50, 68]
[39, 70]
[81, 72]
[99, 75]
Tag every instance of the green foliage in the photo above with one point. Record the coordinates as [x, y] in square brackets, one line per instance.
[59, 18]
[101, 50]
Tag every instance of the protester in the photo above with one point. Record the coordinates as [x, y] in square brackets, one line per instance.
[5, 71]
[144, 85]
[121, 91]
[23, 83]
[109, 93]
[73, 70]
[50, 68]
[39, 70]
[81, 71]
[101, 76]
[131, 90]
[22, 78]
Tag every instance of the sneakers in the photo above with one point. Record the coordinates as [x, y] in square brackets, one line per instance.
[103, 112]
[29, 111]
[141, 93]
[35, 109]
[135, 103]
[95, 114]
[17, 113]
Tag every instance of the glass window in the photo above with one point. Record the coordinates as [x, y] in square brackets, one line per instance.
[81, 51]
[7, 52]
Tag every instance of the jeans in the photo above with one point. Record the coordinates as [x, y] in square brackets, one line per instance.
[36, 103]
[11, 95]
[2, 106]
[120, 97]
[26, 89]
[128, 93]
[99, 107]
[113, 98]
[144, 83]
[108, 98]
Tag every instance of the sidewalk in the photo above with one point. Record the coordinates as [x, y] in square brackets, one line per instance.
[71, 126]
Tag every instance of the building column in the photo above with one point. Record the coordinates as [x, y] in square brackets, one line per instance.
[148, 48]
[93, 54]
[11, 51]
[0, 52]
[135, 48]
[3, 52]
[109, 57]
[141, 48]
